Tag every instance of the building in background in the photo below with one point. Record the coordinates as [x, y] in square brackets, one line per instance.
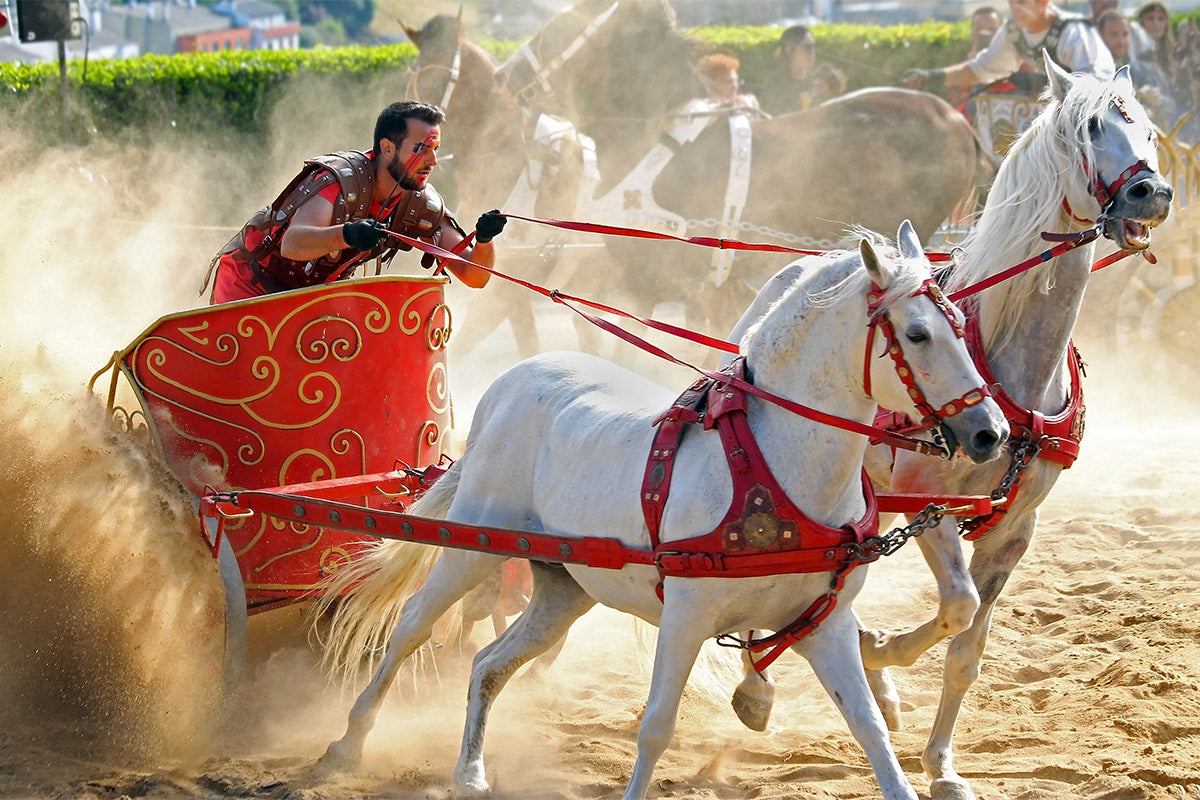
[124, 29]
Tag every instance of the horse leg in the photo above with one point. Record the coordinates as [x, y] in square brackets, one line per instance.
[993, 561]
[883, 689]
[754, 696]
[556, 603]
[452, 576]
[833, 652]
[958, 600]
[479, 604]
[680, 637]
[524, 324]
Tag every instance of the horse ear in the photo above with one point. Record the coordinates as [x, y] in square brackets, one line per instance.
[413, 34]
[871, 262]
[1124, 77]
[908, 241]
[1060, 79]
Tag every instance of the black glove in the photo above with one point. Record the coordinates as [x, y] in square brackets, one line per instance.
[489, 225]
[1027, 82]
[364, 234]
[928, 80]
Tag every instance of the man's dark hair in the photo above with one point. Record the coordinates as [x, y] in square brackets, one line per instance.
[393, 120]
[986, 10]
[794, 35]
[1112, 15]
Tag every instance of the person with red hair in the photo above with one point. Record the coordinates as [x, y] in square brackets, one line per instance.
[719, 74]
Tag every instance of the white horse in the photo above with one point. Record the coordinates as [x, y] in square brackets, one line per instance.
[1090, 157]
[560, 443]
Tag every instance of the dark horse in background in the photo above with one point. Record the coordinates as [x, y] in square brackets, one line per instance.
[617, 71]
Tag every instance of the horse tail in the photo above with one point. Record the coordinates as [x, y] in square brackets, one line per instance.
[362, 602]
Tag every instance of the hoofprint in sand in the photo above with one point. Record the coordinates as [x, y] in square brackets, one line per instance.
[1089, 687]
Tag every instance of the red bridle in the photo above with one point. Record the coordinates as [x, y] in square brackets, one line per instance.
[930, 417]
[1105, 193]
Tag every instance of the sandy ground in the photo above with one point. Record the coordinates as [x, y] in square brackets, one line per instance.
[1088, 689]
[107, 668]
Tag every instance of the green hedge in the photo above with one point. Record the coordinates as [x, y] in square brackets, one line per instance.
[230, 92]
[235, 92]
[868, 55]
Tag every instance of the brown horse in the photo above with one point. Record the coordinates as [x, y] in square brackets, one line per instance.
[588, 65]
[896, 143]
[490, 143]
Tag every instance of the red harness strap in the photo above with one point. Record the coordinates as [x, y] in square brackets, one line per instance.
[763, 533]
[1058, 436]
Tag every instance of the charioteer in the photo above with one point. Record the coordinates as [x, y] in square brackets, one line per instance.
[342, 208]
[1015, 50]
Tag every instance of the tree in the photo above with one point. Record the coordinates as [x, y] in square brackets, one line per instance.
[355, 16]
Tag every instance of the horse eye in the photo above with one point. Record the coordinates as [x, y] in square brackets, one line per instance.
[1094, 127]
[917, 334]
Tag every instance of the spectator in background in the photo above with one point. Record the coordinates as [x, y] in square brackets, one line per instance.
[985, 21]
[719, 74]
[1154, 20]
[1187, 60]
[1140, 41]
[789, 86]
[827, 82]
[1015, 52]
[1150, 85]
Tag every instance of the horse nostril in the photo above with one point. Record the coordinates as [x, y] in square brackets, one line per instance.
[1149, 188]
[985, 441]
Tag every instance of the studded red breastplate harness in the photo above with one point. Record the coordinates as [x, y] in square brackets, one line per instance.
[1056, 436]
[763, 533]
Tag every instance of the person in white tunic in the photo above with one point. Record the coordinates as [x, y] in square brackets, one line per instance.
[1015, 51]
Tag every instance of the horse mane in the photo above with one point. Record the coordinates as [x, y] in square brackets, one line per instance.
[1027, 196]
[830, 278]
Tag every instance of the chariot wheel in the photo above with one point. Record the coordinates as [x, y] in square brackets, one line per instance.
[236, 622]
[1179, 325]
[1140, 301]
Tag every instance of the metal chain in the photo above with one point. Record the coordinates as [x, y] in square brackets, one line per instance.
[931, 516]
[1022, 456]
[805, 242]
[885, 544]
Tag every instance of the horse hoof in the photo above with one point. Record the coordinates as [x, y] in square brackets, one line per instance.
[471, 786]
[951, 789]
[886, 697]
[336, 759]
[752, 702]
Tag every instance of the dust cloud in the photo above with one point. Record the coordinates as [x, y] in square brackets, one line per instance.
[111, 636]
[111, 632]
[110, 625]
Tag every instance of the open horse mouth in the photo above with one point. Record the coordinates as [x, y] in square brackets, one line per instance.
[1136, 210]
[1130, 234]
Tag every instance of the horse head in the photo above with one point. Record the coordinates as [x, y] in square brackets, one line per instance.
[930, 375]
[455, 73]
[1116, 146]
[588, 64]
[482, 127]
